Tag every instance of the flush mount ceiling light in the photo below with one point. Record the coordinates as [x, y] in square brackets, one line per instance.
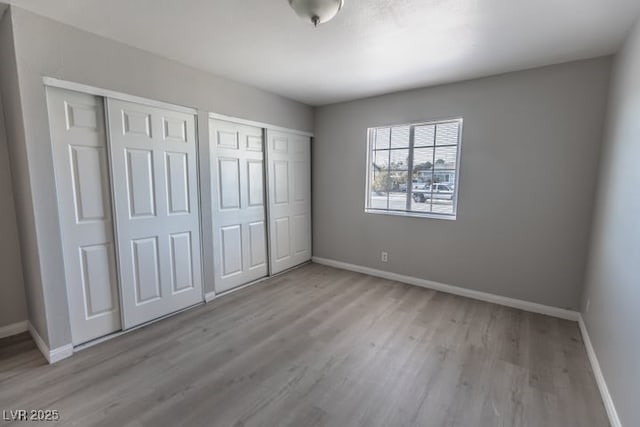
[316, 11]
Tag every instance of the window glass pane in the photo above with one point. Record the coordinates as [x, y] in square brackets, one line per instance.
[424, 136]
[444, 174]
[378, 200]
[380, 160]
[398, 181]
[379, 186]
[397, 201]
[442, 204]
[422, 165]
[445, 165]
[447, 133]
[400, 136]
[399, 160]
[421, 199]
[402, 179]
[381, 181]
[382, 138]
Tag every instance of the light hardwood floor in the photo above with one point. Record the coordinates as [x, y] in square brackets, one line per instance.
[320, 347]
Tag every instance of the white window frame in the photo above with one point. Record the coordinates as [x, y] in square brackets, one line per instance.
[432, 215]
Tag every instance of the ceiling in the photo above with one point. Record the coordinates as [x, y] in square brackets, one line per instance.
[371, 47]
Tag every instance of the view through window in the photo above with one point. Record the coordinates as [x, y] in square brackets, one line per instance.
[414, 169]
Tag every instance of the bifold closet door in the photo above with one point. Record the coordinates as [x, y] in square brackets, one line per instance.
[289, 174]
[238, 195]
[79, 146]
[155, 192]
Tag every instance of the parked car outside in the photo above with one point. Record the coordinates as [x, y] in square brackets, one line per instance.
[435, 191]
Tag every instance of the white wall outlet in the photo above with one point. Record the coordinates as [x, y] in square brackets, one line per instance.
[384, 256]
[587, 306]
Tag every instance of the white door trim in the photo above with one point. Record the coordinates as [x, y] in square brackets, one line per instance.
[106, 93]
[258, 124]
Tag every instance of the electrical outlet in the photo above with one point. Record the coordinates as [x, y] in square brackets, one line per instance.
[384, 256]
[588, 306]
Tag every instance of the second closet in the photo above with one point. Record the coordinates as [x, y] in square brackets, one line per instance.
[262, 216]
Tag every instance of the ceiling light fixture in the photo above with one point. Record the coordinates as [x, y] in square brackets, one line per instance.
[316, 11]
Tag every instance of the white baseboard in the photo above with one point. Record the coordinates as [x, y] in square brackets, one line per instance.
[597, 372]
[54, 355]
[13, 329]
[210, 296]
[456, 290]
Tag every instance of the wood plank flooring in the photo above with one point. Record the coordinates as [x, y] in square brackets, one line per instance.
[320, 347]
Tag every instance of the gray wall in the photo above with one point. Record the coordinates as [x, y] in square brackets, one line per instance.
[20, 178]
[13, 307]
[613, 274]
[528, 175]
[46, 48]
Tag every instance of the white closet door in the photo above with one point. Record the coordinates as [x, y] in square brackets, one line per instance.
[289, 172]
[153, 164]
[239, 217]
[82, 180]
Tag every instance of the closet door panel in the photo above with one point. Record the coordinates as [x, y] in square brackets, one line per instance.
[239, 214]
[257, 245]
[181, 262]
[153, 161]
[177, 172]
[255, 180]
[82, 180]
[289, 174]
[301, 234]
[282, 238]
[88, 172]
[146, 270]
[231, 250]
[280, 173]
[229, 183]
[98, 279]
[140, 183]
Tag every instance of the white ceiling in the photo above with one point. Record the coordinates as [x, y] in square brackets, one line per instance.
[371, 47]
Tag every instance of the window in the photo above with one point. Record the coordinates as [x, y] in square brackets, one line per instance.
[413, 169]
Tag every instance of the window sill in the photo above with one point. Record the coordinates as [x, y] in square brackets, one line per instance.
[411, 214]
